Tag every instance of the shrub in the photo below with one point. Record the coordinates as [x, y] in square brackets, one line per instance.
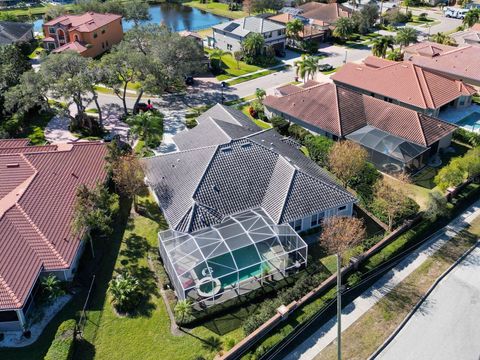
[423, 17]
[190, 123]
[280, 124]
[63, 343]
[363, 183]
[467, 137]
[318, 147]
[124, 289]
[228, 343]
[298, 132]
[51, 288]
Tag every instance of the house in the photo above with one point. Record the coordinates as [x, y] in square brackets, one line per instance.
[405, 84]
[37, 194]
[396, 138]
[232, 186]
[314, 30]
[328, 13]
[468, 37]
[89, 34]
[15, 32]
[229, 36]
[460, 63]
[192, 35]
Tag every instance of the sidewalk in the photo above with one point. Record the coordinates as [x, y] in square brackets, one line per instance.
[313, 345]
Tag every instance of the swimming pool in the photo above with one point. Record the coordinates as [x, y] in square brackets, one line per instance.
[471, 122]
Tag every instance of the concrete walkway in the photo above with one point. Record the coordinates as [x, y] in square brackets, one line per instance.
[447, 320]
[57, 130]
[313, 345]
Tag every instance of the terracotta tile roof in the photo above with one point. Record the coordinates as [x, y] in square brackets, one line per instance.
[475, 27]
[340, 111]
[428, 48]
[9, 143]
[37, 193]
[71, 46]
[28, 149]
[328, 13]
[461, 63]
[86, 22]
[402, 81]
[308, 30]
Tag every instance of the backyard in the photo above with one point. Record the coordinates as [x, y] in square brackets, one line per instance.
[217, 8]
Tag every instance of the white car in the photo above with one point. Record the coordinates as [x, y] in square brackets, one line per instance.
[455, 13]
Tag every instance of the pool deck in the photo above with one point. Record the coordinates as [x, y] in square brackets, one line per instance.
[453, 115]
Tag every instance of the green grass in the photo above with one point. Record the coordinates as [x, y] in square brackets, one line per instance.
[217, 8]
[40, 50]
[253, 76]
[232, 69]
[260, 123]
[34, 10]
[35, 128]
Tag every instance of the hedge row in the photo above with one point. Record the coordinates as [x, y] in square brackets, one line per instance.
[63, 343]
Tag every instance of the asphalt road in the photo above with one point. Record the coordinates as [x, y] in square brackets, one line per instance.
[446, 326]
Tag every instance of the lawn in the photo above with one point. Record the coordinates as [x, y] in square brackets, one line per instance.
[217, 8]
[35, 128]
[260, 123]
[362, 338]
[33, 10]
[232, 69]
[417, 193]
[149, 330]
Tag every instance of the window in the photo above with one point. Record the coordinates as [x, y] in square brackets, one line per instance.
[103, 45]
[296, 225]
[107, 44]
[279, 32]
[103, 31]
[51, 30]
[229, 47]
[341, 208]
[317, 219]
[95, 35]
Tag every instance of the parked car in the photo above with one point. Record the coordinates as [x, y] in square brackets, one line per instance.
[189, 80]
[455, 13]
[325, 67]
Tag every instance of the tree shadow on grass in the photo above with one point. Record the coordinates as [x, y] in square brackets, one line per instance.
[86, 349]
[136, 248]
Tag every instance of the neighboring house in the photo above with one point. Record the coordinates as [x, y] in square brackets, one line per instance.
[467, 37]
[328, 13]
[397, 139]
[405, 84]
[233, 186]
[192, 35]
[37, 195]
[15, 32]
[460, 63]
[230, 35]
[89, 34]
[315, 30]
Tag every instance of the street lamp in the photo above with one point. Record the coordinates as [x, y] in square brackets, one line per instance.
[224, 85]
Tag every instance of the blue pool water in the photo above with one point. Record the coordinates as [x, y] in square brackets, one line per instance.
[470, 122]
[176, 16]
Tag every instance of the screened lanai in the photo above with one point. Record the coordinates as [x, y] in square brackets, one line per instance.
[236, 256]
[390, 153]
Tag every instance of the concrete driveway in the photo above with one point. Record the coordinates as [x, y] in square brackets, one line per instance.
[446, 326]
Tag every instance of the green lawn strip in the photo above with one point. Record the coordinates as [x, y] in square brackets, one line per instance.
[33, 10]
[362, 338]
[148, 333]
[329, 71]
[260, 123]
[217, 8]
[417, 193]
[253, 76]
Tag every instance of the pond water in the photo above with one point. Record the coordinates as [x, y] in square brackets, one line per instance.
[176, 16]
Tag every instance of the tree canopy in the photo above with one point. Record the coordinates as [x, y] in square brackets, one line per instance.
[346, 160]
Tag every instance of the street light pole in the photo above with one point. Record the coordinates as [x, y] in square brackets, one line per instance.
[339, 307]
[223, 86]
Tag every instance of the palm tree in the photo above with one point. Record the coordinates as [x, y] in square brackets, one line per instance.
[183, 310]
[260, 94]
[51, 287]
[148, 126]
[406, 36]
[472, 17]
[307, 67]
[442, 38]
[218, 54]
[344, 27]
[293, 28]
[381, 45]
[253, 44]
[124, 290]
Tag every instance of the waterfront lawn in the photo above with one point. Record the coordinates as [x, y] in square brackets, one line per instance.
[232, 69]
[217, 8]
[33, 10]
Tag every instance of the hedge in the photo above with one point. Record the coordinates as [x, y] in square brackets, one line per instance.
[63, 343]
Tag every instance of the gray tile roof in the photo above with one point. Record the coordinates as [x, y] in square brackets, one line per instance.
[243, 27]
[200, 187]
[11, 32]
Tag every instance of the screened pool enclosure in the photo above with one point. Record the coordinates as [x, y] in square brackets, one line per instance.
[232, 258]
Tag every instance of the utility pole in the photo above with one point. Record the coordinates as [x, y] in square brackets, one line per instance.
[339, 306]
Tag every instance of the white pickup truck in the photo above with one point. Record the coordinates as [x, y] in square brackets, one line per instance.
[455, 13]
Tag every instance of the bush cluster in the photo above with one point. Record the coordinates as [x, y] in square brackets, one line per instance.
[303, 285]
[466, 137]
[63, 343]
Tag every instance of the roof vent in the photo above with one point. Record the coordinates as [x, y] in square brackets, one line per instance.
[246, 146]
[215, 188]
[173, 165]
[13, 165]
[74, 175]
[227, 149]
[178, 160]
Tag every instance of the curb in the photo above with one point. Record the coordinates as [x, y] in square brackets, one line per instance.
[421, 301]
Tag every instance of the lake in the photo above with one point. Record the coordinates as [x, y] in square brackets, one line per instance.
[176, 16]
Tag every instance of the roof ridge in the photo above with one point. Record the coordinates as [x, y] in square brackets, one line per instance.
[418, 71]
[337, 108]
[303, 89]
[290, 185]
[422, 131]
[10, 292]
[42, 236]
